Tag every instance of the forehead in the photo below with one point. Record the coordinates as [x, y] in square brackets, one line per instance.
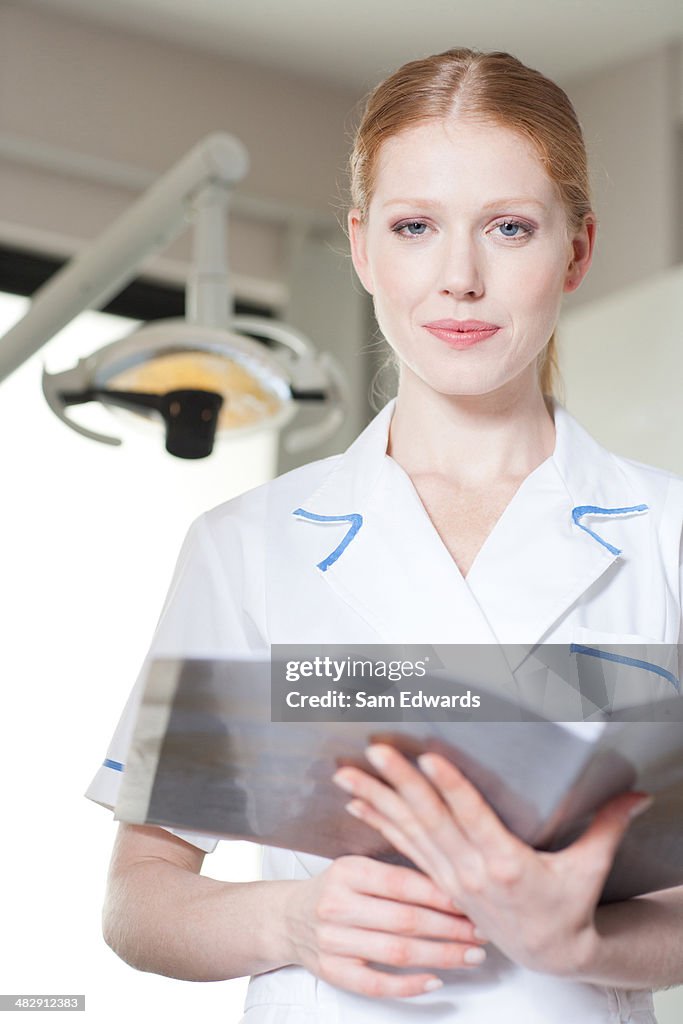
[440, 159]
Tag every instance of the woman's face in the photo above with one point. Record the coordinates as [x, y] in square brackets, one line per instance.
[467, 251]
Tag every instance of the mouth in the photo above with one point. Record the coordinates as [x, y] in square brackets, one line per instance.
[462, 333]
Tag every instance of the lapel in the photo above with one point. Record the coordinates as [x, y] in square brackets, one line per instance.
[562, 531]
[384, 557]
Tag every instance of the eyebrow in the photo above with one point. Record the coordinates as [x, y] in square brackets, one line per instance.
[494, 204]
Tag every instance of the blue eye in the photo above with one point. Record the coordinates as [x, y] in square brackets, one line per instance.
[513, 229]
[411, 228]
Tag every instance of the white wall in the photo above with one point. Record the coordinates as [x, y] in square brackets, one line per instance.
[622, 367]
[112, 95]
[632, 116]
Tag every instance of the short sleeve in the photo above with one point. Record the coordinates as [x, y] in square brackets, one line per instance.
[201, 617]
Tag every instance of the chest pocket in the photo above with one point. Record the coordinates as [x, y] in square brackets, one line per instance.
[597, 673]
[616, 671]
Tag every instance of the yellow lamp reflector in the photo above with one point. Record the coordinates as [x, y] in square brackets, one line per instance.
[246, 401]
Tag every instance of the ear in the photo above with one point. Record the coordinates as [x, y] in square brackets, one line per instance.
[582, 246]
[359, 252]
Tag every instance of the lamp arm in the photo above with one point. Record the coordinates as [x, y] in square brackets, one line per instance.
[208, 299]
[103, 266]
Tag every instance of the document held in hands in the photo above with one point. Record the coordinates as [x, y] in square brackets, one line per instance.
[218, 750]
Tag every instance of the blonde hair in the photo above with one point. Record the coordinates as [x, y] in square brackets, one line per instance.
[494, 87]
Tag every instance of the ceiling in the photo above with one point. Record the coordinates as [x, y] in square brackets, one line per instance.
[353, 43]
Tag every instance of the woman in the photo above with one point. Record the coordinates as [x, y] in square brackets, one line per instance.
[473, 509]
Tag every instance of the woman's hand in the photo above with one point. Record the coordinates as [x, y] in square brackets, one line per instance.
[538, 908]
[360, 911]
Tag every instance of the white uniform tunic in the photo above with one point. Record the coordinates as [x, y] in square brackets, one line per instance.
[343, 551]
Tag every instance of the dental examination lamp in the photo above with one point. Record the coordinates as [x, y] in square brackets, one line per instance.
[206, 376]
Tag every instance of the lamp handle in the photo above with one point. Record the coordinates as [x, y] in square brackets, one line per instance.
[309, 371]
[77, 379]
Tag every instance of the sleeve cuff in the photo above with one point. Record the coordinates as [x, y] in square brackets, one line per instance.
[104, 790]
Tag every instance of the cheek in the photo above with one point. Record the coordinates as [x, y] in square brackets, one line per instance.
[400, 281]
[535, 289]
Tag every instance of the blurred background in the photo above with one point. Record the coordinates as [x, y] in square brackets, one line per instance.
[96, 101]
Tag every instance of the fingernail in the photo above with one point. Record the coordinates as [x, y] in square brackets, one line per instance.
[478, 935]
[431, 985]
[639, 808]
[354, 808]
[376, 757]
[475, 955]
[426, 765]
[343, 782]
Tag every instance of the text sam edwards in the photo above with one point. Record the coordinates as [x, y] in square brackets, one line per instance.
[363, 699]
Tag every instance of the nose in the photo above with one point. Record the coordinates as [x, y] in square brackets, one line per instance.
[462, 272]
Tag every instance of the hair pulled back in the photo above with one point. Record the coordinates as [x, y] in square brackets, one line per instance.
[492, 87]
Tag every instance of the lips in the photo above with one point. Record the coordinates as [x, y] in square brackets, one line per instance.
[462, 333]
[462, 326]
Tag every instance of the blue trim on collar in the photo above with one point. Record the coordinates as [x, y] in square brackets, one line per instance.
[583, 510]
[354, 518]
[116, 765]
[649, 666]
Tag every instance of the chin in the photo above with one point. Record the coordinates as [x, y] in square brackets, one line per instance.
[471, 378]
[451, 383]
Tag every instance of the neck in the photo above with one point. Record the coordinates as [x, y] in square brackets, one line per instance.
[471, 439]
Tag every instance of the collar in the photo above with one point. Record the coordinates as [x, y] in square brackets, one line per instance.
[591, 475]
[355, 476]
[561, 531]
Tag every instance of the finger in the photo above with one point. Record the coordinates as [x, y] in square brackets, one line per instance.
[397, 918]
[407, 781]
[393, 882]
[354, 975]
[399, 950]
[412, 817]
[398, 803]
[475, 818]
[393, 835]
[595, 850]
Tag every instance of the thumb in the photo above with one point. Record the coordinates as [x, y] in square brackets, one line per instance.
[598, 844]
